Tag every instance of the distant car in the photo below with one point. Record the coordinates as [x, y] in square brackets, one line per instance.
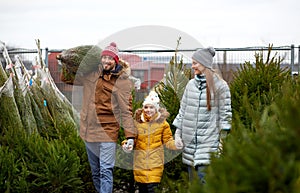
[150, 83]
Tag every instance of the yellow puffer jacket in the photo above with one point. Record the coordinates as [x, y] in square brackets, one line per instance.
[149, 146]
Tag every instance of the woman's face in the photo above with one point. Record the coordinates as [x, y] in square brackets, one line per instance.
[149, 110]
[197, 67]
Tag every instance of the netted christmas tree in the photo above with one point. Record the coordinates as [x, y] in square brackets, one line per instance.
[35, 121]
[79, 60]
[10, 118]
[39, 104]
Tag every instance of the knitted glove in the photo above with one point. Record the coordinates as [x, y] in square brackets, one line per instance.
[224, 133]
[130, 143]
[178, 140]
[127, 145]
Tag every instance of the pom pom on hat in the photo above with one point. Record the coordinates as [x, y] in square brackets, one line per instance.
[152, 99]
[111, 50]
[205, 56]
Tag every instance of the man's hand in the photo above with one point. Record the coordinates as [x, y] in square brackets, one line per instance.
[127, 145]
[130, 143]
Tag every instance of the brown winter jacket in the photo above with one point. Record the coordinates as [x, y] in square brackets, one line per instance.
[106, 101]
[149, 150]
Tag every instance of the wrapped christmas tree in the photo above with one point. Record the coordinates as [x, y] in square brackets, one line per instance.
[58, 106]
[80, 59]
[10, 117]
[23, 98]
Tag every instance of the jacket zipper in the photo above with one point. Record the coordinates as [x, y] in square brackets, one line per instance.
[148, 147]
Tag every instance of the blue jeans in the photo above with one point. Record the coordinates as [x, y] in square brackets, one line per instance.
[200, 172]
[101, 156]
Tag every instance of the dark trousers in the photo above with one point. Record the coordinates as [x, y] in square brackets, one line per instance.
[147, 188]
[197, 171]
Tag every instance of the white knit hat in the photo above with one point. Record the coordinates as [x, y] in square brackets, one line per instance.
[152, 99]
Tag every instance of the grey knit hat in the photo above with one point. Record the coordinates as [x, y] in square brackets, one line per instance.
[205, 56]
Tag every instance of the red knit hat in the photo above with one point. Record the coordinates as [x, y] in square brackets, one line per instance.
[112, 51]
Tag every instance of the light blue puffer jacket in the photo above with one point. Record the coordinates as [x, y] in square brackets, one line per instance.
[200, 128]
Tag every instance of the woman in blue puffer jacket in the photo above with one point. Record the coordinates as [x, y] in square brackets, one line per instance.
[205, 112]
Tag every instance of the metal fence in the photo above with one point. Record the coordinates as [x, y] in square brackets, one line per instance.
[149, 65]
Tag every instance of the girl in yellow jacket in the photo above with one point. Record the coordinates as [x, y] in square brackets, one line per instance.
[153, 133]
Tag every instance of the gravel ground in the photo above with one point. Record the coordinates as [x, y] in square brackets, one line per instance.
[125, 188]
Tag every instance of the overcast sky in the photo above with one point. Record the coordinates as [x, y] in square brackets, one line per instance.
[61, 24]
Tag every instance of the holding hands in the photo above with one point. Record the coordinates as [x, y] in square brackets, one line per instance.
[178, 140]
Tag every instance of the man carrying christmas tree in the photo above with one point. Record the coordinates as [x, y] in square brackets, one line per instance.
[106, 105]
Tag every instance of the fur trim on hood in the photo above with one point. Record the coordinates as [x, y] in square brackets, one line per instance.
[126, 70]
[163, 114]
[126, 66]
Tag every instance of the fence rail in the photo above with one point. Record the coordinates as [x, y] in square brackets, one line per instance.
[149, 65]
[290, 54]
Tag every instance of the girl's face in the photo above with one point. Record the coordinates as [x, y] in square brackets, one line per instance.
[149, 110]
[197, 67]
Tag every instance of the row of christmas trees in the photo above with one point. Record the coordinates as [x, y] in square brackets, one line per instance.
[30, 100]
